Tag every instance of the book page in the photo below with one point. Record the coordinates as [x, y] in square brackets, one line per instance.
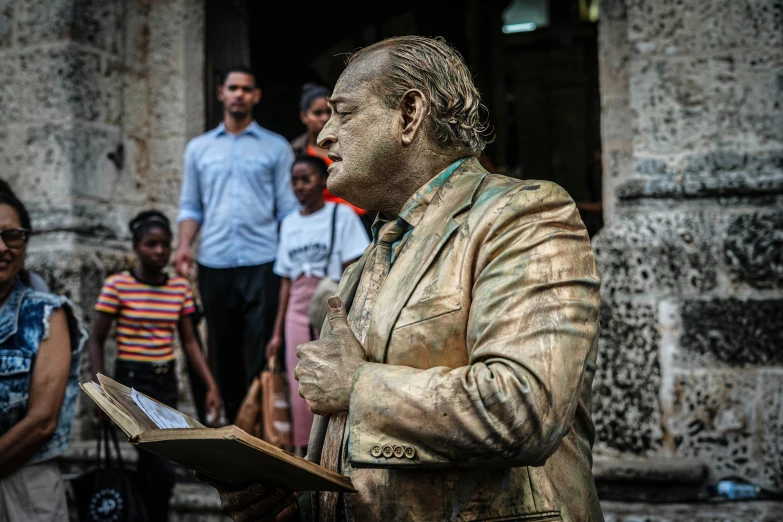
[127, 423]
[164, 418]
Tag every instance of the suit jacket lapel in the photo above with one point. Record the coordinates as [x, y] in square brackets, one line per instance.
[426, 240]
[349, 282]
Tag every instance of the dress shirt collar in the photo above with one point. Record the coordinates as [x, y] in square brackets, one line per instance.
[254, 129]
[414, 208]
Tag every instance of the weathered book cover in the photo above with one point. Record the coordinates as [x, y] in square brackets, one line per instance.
[226, 454]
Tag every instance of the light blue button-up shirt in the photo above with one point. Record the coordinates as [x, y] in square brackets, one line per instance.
[237, 188]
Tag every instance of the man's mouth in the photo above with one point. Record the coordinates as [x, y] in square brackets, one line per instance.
[334, 157]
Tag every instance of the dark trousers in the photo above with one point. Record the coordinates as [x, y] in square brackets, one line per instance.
[156, 475]
[240, 306]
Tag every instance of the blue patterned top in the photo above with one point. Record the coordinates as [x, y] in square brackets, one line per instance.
[24, 323]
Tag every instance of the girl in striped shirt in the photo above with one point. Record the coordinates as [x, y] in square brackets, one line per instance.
[149, 306]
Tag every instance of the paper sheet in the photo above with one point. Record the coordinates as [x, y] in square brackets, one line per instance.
[163, 418]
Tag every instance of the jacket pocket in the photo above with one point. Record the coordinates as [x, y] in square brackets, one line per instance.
[429, 308]
[257, 168]
[14, 387]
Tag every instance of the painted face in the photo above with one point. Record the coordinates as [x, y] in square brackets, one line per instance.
[308, 184]
[316, 116]
[154, 248]
[239, 94]
[362, 137]
[11, 259]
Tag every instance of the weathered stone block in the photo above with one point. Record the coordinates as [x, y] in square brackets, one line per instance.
[58, 162]
[38, 165]
[10, 95]
[93, 22]
[615, 119]
[718, 511]
[613, 56]
[627, 380]
[753, 249]
[724, 24]
[771, 417]
[731, 332]
[713, 418]
[60, 82]
[671, 104]
[746, 97]
[655, 27]
[670, 253]
[708, 26]
[731, 173]
[6, 22]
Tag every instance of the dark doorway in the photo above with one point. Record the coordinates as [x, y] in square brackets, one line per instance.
[540, 86]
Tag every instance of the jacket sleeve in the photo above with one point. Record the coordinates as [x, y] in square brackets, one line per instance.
[532, 320]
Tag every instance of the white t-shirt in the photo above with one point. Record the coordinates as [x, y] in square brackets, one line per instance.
[304, 242]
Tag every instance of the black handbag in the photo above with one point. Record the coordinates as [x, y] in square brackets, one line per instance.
[109, 493]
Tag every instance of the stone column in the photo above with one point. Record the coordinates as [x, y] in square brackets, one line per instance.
[691, 349]
[78, 78]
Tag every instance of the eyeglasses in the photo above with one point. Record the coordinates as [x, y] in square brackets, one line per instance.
[14, 237]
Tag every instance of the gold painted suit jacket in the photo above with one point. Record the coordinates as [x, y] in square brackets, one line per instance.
[482, 345]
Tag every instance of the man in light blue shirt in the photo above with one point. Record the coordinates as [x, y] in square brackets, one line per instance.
[236, 188]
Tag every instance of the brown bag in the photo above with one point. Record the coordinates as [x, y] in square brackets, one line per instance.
[275, 413]
[249, 414]
[264, 412]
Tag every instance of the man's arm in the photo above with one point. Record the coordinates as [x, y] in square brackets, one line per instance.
[285, 201]
[532, 321]
[191, 214]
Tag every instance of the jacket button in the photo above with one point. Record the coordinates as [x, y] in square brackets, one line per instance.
[410, 452]
[388, 451]
[399, 452]
[375, 451]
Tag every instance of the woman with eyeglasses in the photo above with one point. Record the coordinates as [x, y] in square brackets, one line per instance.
[40, 344]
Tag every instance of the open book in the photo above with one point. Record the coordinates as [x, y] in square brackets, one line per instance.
[225, 454]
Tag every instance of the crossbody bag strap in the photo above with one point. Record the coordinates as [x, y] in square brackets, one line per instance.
[331, 239]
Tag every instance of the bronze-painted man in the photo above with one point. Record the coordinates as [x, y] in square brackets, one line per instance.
[457, 384]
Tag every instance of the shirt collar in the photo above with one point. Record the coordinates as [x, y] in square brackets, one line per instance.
[254, 129]
[414, 208]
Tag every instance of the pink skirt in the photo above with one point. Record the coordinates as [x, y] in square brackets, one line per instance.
[297, 331]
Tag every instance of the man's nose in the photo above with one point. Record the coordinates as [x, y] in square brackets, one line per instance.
[327, 137]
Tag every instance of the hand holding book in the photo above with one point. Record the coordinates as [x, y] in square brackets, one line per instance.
[225, 455]
[255, 503]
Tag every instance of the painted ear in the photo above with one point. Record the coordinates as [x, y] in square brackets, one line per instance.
[413, 107]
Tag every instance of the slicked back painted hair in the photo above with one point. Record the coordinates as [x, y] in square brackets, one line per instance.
[459, 119]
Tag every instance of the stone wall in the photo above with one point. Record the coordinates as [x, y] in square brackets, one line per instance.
[77, 79]
[691, 349]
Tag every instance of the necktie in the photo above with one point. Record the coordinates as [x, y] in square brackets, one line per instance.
[389, 233]
[359, 320]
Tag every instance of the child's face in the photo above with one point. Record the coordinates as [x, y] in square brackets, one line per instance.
[154, 248]
[307, 184]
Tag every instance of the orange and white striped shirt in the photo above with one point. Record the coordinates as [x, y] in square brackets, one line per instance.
[147, 315]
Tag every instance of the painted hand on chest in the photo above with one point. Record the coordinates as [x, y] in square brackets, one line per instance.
[327, 366]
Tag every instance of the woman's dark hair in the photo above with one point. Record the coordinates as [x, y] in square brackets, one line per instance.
[317, 163]
[310, 93]
[145, 221]
[8, 197]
